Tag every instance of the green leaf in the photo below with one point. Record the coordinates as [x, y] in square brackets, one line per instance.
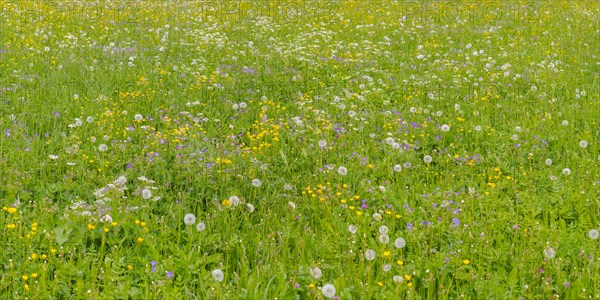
[62, 235]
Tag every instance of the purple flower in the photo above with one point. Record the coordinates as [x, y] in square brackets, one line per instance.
[153, 264]
[567, 284]
[296, 285]
[169, 275]
[515, 227]
[409, 225]
[456, 222]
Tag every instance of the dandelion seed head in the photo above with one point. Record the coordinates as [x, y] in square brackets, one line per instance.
[328, 291]
[400, 243]
[146, 193]
[234, 200]
[322, 143]
[189, 219]
[352, 229]
[397, 168]
[370, 254]
[316, 272]
[384, 238]
[218, 275]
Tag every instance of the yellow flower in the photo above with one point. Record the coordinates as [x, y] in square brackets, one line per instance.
[25, 277]
[140, 240]
[466, 261]
[407, 277]
[400, 262]
[34, 275]
[130, 267]
[386, 253]
[26, 286]
[226, 202]
[11, 226]
[43, 256]
[143, 224]
[409, 284]
[91, 226]
[312, 285]
[12, 210]
[380, 283]
[106, 229]
[359, 213]
[137, 222]
[33, 256]
[113, 224]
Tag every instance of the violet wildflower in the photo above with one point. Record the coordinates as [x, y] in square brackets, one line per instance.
[455, 222]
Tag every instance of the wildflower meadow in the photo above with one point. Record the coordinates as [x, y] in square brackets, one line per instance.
[265, 149]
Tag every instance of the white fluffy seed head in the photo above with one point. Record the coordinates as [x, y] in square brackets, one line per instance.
[200, 226]
[427, 159]
[328, 290]
[189, 219]
[218, 275]
[397, 168]
[370, 254]
[400, 243]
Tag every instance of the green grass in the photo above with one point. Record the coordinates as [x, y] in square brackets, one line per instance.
[119, 118]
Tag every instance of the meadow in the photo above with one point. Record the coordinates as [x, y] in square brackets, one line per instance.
[299, 149]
